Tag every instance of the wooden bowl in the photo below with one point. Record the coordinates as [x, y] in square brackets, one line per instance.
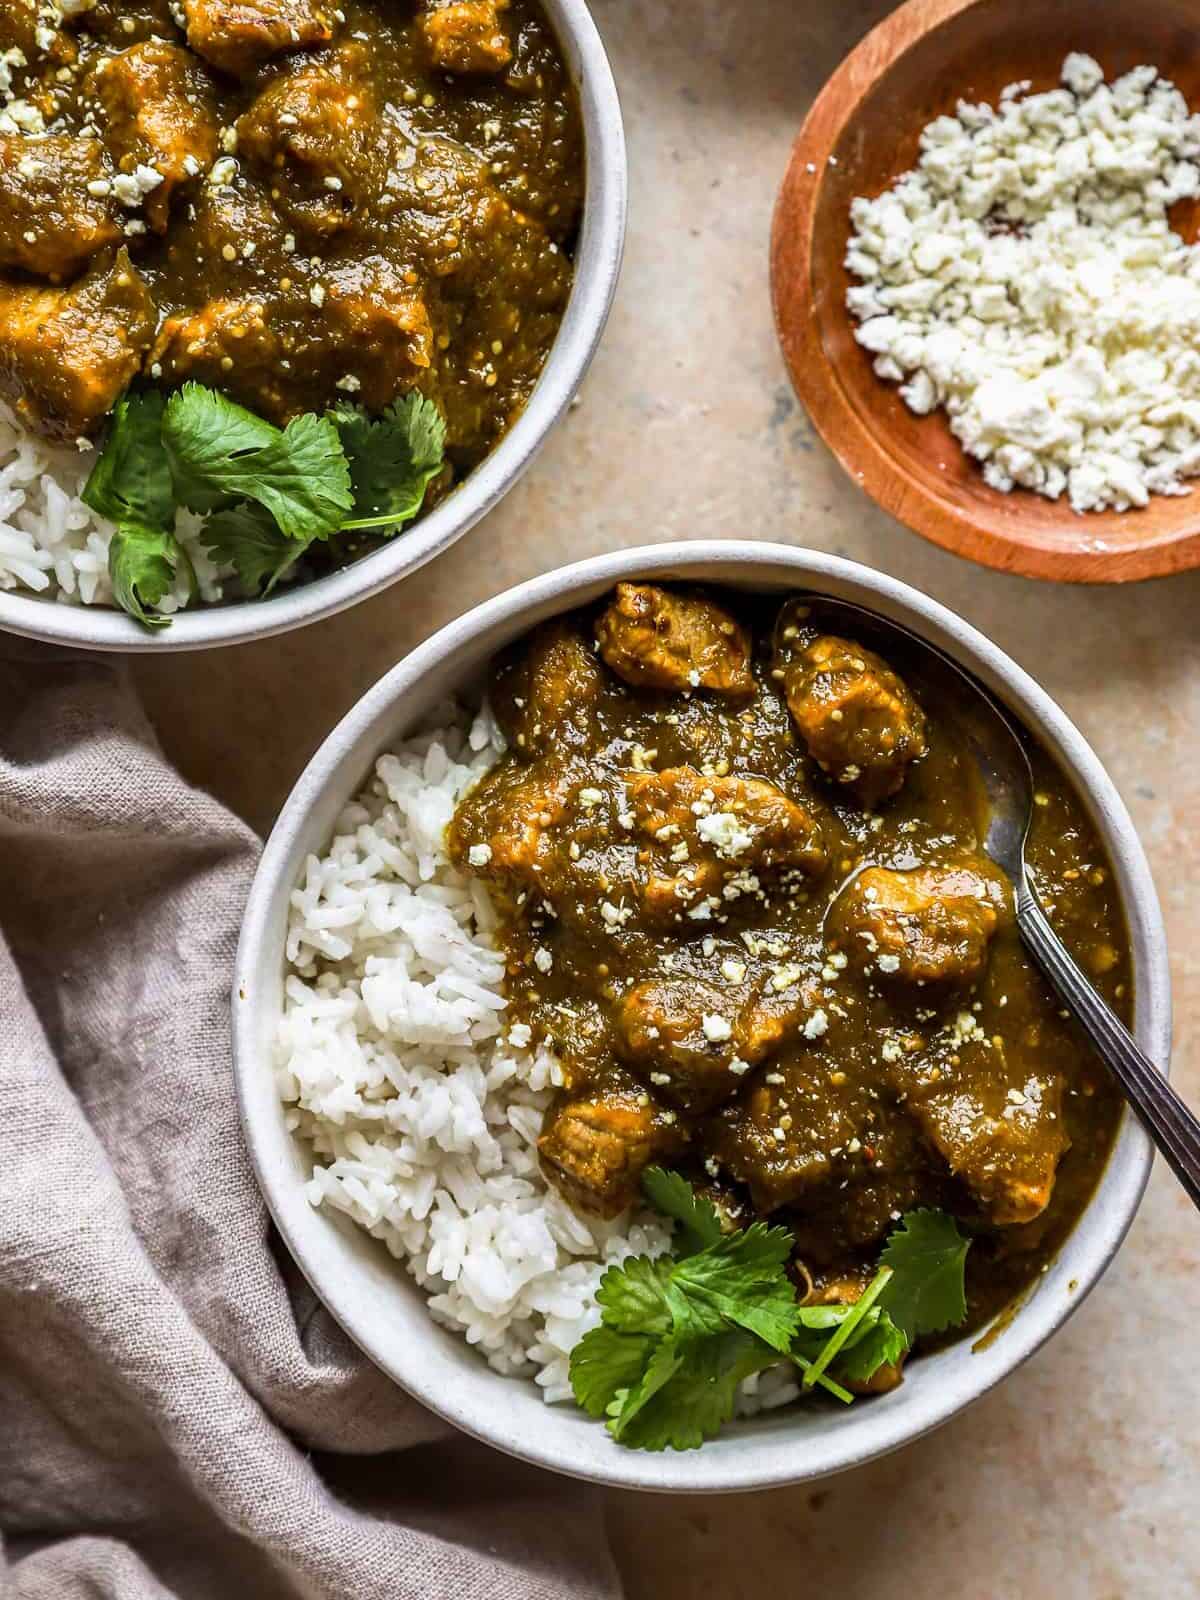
[863, 132]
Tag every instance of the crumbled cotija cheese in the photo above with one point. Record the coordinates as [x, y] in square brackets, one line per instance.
[725, 832]
[1024, 276]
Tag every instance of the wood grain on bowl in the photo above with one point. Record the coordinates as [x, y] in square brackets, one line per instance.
[863, 132]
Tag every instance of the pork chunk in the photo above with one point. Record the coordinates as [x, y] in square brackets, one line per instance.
[927, 925]
[58, 210]
[702, 831]
[656, 639]
[545, 690]
[375, 326]
[467, 36]
[451, 208]
[20, 21]
[505, 828]
[311, 132]
[67, 354]
[797, 1104]
[239, 35]
[595, 1146]
[228, 344]
[218, 220]
[369, 325]
[993, 1116]
[30, 36]
[694, 1043]
[858, 721]
[157, 114]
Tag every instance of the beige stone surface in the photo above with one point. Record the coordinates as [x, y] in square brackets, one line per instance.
[1080, 1478]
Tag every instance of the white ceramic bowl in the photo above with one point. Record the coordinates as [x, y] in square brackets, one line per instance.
[371, 1295]
[597, 265]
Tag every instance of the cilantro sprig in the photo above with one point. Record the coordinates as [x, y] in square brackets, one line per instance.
[131, 485]
[219, 454]
[927, 1257]
[680, 1333]
[267, 493]
[392, 459]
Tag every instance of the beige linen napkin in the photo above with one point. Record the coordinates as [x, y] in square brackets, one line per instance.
[178, 1415]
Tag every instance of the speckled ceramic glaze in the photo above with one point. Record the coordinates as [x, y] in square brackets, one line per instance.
[371, 1296]
[598, 262]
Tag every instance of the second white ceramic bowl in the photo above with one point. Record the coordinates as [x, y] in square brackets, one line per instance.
[597, 266]
[370, 1294]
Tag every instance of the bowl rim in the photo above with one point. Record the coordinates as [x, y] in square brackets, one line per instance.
[440, 1371]
[816, 379]
[597, 268]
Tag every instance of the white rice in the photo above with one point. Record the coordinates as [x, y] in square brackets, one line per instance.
[421, 1107]
[54, 545]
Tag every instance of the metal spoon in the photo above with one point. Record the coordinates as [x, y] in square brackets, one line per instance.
[1008, 781]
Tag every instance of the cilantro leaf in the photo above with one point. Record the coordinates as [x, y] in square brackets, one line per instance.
[202, 433]
[694, 1393]
[822, 1318]
[606, 1362]
[927, 1291]
[392, 459]
[633, 1296]
[666, 1358]
[131, 485]
[850, 1324]
[131, 481]
[220, 453]
[673, 1195]
[700, 1395]
[142, 563]
[308, 487]
[721, 1278]
[740, 1280]
[817, 1320]
[247, 538]
[880, 1343]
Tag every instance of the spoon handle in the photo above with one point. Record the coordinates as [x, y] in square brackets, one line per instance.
[1174, 1129]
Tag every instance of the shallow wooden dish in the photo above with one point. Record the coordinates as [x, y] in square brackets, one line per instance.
[861, 133]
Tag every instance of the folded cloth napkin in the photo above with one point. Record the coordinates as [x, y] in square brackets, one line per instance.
[178, 1415]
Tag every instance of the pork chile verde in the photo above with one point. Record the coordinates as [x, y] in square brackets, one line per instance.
[289, 201]
[737, 858]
